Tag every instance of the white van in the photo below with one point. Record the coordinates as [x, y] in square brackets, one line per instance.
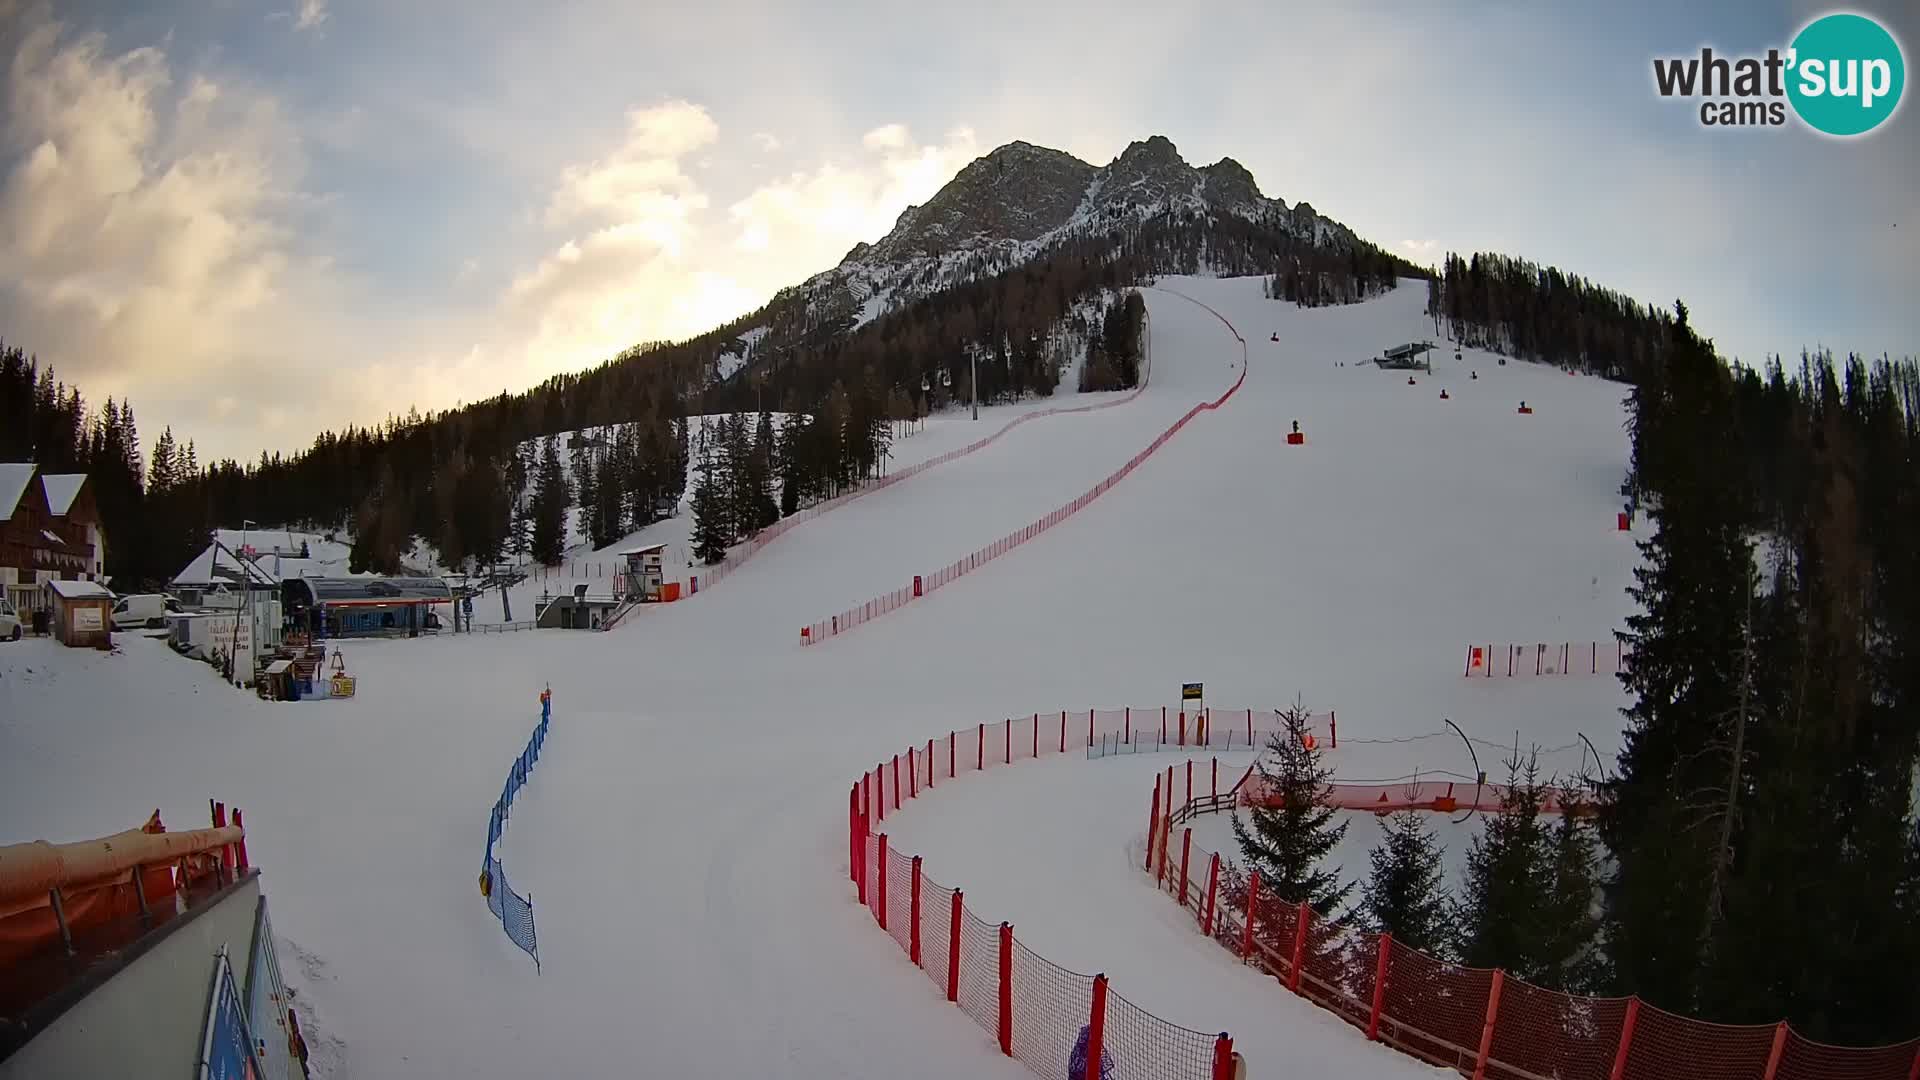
[144, 609]
[9, 620]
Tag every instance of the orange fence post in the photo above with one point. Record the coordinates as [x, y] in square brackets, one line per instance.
[953, 947]
[1006, 989]
[896, 781]
[1302, 919]
[1779, 1048]
[1186, 850]
[1385, 948]
[1253, 897]
[882, 864]
[1222, 1058]
[913, 775]
[1486, 1032]
[1153, 820]
[853, 835]
[1626, 1040]
[1096, 1029]
[913, 928]
[1213, 891]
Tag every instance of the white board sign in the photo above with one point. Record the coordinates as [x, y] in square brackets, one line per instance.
[87, 618]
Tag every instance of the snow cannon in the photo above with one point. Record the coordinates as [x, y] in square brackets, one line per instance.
[1295, 437]
[1525, 409]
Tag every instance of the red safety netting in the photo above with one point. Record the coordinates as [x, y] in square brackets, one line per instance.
[926, 583]
[1804, 1059]
[1050, 1006]
[1473, 1019]
[1043, 1007]
[1145, 1047]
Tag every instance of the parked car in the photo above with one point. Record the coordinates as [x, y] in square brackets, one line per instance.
[144, 609]
[9, 621]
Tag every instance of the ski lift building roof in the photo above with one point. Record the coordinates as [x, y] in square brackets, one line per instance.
[368, 591]
[1409, 351]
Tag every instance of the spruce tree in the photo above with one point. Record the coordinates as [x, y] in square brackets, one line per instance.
[710, 535]
[1286, 837]
[1405, 895]
[550, 500]
[1572, 960]
[1504, 911]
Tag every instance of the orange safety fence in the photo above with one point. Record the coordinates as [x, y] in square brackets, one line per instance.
[1478, 1021]
[923, 584]
[1061, 1024]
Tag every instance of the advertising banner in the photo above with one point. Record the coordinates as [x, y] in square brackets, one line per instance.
[226, 1053]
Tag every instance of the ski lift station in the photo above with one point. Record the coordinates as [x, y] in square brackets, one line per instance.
[1407, 357]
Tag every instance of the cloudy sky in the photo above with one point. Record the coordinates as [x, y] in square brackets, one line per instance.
[261, 219]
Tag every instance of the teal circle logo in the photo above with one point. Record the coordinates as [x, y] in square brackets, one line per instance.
[1845, 74]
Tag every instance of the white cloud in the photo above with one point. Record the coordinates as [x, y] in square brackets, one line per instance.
[891, 137]
[1421, 251]
[310, 15]
[765, 141]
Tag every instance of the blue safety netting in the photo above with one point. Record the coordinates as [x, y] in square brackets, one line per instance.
[514, 911]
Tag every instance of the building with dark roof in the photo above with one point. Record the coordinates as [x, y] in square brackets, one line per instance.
[329, 607]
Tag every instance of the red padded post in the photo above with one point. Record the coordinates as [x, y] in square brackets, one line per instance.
[1779, 1044]
[1186, 852]
[913, 928]
[933, 763]
[1213, 892]
[1302, 920]
[1183, 727]
[1153, 820]
[980, 755]
[1486, 1032]
[1006, 989]
[1626, 1042]
[240, 845]
[1096, 1029]
[882, 874]
[913, 775]
[1036, 736]
[1223, 1058]
[950, 764]
[1126, 729]
[896, 781]
[853, 835]
[953, 948]
[1089, 727]
[1009, 740]
[1216, 778]
[1384, 944]
[1166, 827]
[1189, 801]
[1253, 898]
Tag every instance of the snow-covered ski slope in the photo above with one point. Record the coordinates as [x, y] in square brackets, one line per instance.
[684, 837]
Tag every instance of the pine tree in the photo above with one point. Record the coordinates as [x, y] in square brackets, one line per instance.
[1572, 960]
[1404, 895]
[1295, 828]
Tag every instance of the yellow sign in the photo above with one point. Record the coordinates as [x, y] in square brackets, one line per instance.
[1190, 691]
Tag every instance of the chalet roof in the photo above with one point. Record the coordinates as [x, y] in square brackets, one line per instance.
[79, 590]
[218, 564]
[62, 489]
[14, 478]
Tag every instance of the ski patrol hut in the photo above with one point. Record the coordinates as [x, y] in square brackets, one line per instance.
[82, 613]
[576, 611]
[643, 575]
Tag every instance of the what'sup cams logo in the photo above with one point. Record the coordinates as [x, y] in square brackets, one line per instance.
[1843, 75]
